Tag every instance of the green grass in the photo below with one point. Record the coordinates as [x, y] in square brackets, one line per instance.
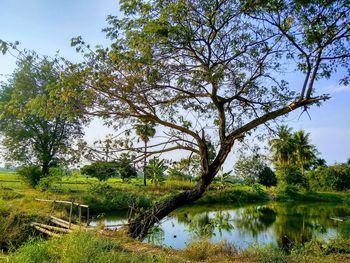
[91, 247]
[76, 248]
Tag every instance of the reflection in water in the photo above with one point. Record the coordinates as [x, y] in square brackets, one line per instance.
[255, 219]
[284, 225]
[203, 226]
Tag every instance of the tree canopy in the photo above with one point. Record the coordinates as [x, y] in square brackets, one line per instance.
[37, 128]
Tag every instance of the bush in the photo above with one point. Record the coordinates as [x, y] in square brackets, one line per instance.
[104, 198]
[287, 192]
[330, 178]
[202, 250]
[104, 170]
[234, 195]
[267, 177]
[31, 174]
[293, 176]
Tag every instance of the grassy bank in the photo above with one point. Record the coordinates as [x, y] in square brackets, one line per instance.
[90, 247]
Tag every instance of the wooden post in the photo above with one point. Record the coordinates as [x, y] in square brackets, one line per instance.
[87, 216]
[79, 210]
[70, 214]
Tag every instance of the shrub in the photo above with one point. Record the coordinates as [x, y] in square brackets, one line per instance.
[267, 177]
[202, 250]
[287, 192]
[31, 174]
[104, 170]
[104, 198]
[330, 178]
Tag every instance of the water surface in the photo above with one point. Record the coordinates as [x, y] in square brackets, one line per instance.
[280, 224]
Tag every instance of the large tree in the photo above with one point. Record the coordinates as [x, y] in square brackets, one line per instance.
[37, 128]
[210, 70]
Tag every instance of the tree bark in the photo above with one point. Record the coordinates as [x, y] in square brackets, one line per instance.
[45, 168]
[139, 227]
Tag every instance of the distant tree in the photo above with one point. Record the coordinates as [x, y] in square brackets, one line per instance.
[267, 177]
[36, 125]
[330, 178]
[155, 170]
[249, 168]
[103, 170]
[145, 130]
[292, 154]
[282, 146]
[126, 169]
[305, 153]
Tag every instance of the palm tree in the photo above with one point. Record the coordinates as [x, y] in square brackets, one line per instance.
[304, 151]
[282, 146]
[145, 130]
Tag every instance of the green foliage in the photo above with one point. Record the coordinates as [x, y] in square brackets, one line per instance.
[267, 254]
[14, 228]
[292, 155]
[249, 168]
[104, 198]
[155, 170]
[78, 248]
[234, 195]
[330, 178]
[104, 170]
[145, 130]
[286, 192]
[292, 175]
[36, 125]
[204, 249]
[186, 168]
[30, 174]
[267, 177]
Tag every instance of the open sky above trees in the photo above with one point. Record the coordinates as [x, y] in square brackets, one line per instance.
[48, 26]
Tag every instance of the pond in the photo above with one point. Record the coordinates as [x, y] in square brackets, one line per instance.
[280, 224]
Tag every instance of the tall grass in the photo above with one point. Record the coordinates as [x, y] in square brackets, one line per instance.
[79, 248]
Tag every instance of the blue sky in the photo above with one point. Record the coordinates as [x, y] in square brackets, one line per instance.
[48, 25]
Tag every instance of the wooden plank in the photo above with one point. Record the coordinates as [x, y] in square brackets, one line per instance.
[60, 201]
[337, 219]
[53, 228]
[46, 231]
[63, 223]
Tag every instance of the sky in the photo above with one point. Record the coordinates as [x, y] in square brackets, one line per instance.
[47, 26]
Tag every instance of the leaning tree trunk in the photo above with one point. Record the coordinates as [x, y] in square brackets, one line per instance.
[138, 227]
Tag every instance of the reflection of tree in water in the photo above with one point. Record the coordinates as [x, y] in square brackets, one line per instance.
[156, 236]
[255, 219]
[203, 225]
[290, 224]
[344, 229]
[298, 224]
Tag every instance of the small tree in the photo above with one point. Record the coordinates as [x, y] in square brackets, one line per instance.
[101, 170]
[249, 168]
[267, 177]
[104, 170]
[145, 130]
[155, 170]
